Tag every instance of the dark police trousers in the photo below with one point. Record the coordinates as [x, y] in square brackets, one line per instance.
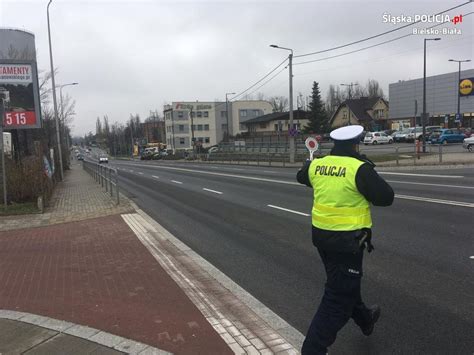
[341, 300]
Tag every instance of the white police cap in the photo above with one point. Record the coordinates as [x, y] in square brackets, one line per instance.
[347, 133]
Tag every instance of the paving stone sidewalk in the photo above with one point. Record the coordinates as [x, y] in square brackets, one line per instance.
[77, 198]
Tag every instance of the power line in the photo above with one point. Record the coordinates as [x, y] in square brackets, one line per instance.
[266, 82]
[378, 35]
[374, 45]
[259, 81]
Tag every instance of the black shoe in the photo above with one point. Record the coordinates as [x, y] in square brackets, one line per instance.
[374, 317]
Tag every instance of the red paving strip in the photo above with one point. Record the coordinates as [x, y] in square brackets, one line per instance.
[97, 273]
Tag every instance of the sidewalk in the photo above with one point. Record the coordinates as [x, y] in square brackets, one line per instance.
[111, 268]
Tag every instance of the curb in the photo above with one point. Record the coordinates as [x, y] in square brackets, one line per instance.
[91, 334]
[293, 336]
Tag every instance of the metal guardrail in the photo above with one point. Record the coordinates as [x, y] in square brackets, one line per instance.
[107, 177]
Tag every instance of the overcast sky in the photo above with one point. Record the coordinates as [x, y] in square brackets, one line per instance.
[133, 56]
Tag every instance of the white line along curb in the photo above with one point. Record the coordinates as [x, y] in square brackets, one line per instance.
[141, 224]
[79, 331]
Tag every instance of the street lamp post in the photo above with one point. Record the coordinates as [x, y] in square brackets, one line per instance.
[424, 114]
[459, 80]
[227, 114]
[291, 130]
[55, 104]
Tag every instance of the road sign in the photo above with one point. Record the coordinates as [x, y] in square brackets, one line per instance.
[457, 118]
[292, 132]
[312, 145]
[446, 118]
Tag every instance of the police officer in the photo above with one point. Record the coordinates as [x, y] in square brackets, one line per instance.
[344, 184]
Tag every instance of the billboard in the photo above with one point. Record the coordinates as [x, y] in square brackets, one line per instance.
[465, 87]
[19, 90]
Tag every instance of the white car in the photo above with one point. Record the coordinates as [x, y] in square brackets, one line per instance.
[377, 138]
[103, 159]
[468, 143]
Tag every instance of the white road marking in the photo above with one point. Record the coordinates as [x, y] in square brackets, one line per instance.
[427, 184]
[288, 210]
[140, 173]
[229, 175]
[176, 182]
[268, 171]
[471, 257]
[216, 192]
[156, 177]
[423, 175]
[434, 200]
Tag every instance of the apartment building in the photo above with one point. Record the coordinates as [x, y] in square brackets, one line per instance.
[207, 123]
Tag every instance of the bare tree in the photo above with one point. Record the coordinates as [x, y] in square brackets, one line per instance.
[279, 103]
[374, 89]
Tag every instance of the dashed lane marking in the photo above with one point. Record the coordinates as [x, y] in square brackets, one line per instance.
[156, 177]
[214, 191]
[140, 173]
[288, 210]
[176, 182]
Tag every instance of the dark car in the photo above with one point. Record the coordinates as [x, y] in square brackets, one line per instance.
[80, 157]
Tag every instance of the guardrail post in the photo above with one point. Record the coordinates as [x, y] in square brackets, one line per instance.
[106, 179]
[117, 187]
[111, 183]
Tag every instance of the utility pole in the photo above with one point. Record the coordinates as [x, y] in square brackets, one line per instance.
[2, 155]
[227, 115]
[131, 137]
[424, 114]
[291, 130]
[192, 129]
[458, 115]
[55, 104]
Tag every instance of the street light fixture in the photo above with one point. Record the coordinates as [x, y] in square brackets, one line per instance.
[227, 114]
[291, 130]
[55, 104]
[459, 80]
[424, 114]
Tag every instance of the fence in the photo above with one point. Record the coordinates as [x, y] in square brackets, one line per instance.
[381, 155]
[107, 177]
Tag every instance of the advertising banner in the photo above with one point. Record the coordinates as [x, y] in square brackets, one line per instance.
[465, 87]
[19, 90]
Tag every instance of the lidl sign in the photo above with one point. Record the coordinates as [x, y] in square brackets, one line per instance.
[465, 87]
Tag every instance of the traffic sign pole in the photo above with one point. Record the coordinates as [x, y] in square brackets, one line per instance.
[312, 145]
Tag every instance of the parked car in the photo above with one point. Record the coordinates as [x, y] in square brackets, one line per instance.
[103, 159]
[377, 138]
[390, 131]
[446, 135]
[401, 136]
[428, 131]
[466, 131]
[80, 157]
[468, 143]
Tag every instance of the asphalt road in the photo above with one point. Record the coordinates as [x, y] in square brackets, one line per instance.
[254, 225]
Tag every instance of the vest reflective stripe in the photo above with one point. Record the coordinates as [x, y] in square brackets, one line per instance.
[338, 205]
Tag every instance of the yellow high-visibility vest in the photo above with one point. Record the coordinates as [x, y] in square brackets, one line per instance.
[337, 204]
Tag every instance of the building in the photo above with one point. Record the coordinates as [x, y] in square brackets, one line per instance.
[371, 113]
[206, 122]
[154, 130]
[406, 101]
[276, 123]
